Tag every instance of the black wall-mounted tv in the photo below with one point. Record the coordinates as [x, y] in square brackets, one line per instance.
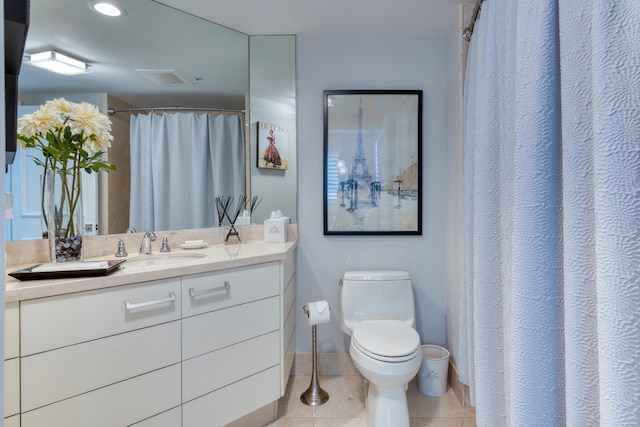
[16, 25]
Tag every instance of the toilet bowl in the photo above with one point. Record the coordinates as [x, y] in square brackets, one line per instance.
[377, 310]
[388, 368]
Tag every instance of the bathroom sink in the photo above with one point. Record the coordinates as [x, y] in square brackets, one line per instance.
[161, 260]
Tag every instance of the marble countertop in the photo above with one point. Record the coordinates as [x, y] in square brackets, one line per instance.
[216, 257]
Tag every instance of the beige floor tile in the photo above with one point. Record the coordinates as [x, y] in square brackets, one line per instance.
[421, 406]
[290, 406]
[345, 407]
[437, 422]
[346, 397]
[469, 422]
[293, 422]
[340, 422]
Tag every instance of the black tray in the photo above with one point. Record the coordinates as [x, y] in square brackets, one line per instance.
[27, 274]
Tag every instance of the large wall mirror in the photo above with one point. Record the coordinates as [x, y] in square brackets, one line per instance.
[154, 56]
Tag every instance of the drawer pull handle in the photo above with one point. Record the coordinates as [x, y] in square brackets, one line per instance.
[130, 306]
[195, 293]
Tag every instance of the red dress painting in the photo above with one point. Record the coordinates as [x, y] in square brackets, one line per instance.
[271, 154]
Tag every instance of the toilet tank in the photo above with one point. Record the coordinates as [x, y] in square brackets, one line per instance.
[376, 295]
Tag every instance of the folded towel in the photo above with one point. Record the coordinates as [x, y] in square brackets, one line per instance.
[70, 266]
[193, 242]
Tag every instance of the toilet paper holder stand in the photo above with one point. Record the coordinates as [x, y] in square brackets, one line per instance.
[314, 395]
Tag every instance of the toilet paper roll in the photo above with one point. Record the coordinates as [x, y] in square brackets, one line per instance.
[317, 312]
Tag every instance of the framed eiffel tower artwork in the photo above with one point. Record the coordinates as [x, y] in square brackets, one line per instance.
[372, 162]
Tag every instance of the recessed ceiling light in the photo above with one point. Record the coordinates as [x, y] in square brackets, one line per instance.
[107, 8]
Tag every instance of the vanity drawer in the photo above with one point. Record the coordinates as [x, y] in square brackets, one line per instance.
[117, 405]
[212, 371]
[217, 329]
[64, 320]
[289, 298]
[11, 387]
[12, 421]
[172, 418]
[206, 292]
[289, 268]
[69, 371]
[11, 330]
[232, 402]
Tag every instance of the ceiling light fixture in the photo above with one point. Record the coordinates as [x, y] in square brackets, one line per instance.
[58, 63]
[107, 8]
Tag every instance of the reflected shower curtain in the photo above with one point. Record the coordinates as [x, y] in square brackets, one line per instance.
[550, 330]
[179, 164]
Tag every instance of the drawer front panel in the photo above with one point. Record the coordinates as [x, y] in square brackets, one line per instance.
[289, 268]
[12, 421]
[206, 292]
[172, 418]
[59, 321]
[212, 331]
[232, 402]
[11, 387]
[289, 355]
[289, 297]
[66, 372]
[211, 371]
[12, 330]
[118, 405]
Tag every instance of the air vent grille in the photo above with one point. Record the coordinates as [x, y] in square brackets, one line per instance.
[164, 77]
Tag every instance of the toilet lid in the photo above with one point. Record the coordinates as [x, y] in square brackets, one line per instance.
[388, 340]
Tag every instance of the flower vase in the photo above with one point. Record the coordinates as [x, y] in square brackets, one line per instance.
[62, 214]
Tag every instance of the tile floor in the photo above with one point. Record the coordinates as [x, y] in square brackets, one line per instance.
[345, 407]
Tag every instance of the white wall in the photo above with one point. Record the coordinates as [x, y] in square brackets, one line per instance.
[370, 62]
[454, 155]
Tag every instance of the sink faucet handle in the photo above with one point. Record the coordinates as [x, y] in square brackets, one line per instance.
[122, 252]
[165, 243]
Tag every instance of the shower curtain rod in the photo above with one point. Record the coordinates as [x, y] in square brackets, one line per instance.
[112, 111]
[468, 31]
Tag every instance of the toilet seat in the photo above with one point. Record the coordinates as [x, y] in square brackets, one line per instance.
[386, 340]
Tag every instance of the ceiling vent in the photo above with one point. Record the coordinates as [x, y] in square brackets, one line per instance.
[164, 77]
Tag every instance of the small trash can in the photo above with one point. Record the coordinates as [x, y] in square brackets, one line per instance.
[432, 378]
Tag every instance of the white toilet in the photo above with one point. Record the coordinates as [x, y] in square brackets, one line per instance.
[378, 312]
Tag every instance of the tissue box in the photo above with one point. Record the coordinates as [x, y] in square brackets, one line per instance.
[275, 230]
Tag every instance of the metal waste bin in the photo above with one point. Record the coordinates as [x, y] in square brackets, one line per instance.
[432, 378]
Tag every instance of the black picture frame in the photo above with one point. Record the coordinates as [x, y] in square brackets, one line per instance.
[372, 162]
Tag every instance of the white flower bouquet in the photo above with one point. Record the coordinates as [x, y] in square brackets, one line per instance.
[72, 137]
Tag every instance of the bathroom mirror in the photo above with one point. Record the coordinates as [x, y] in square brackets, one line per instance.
[151, 56]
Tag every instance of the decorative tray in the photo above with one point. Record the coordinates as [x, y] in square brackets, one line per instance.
[68, 270]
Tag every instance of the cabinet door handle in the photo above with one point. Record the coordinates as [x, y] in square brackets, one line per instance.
[195, 293]
[130, 306]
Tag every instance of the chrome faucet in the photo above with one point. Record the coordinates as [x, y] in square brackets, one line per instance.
[122, 252]
[165, 243]
[145, 247]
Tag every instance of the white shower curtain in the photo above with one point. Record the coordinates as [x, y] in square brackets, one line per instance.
[179, 163]
[551, 265]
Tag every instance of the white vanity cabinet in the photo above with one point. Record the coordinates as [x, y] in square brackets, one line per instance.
[230, 343]
[109, 357]
[12, 365]
[191, 350]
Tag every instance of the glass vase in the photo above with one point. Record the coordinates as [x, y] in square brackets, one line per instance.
[62, 215]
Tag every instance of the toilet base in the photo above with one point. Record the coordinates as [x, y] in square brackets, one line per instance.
[386, 407]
